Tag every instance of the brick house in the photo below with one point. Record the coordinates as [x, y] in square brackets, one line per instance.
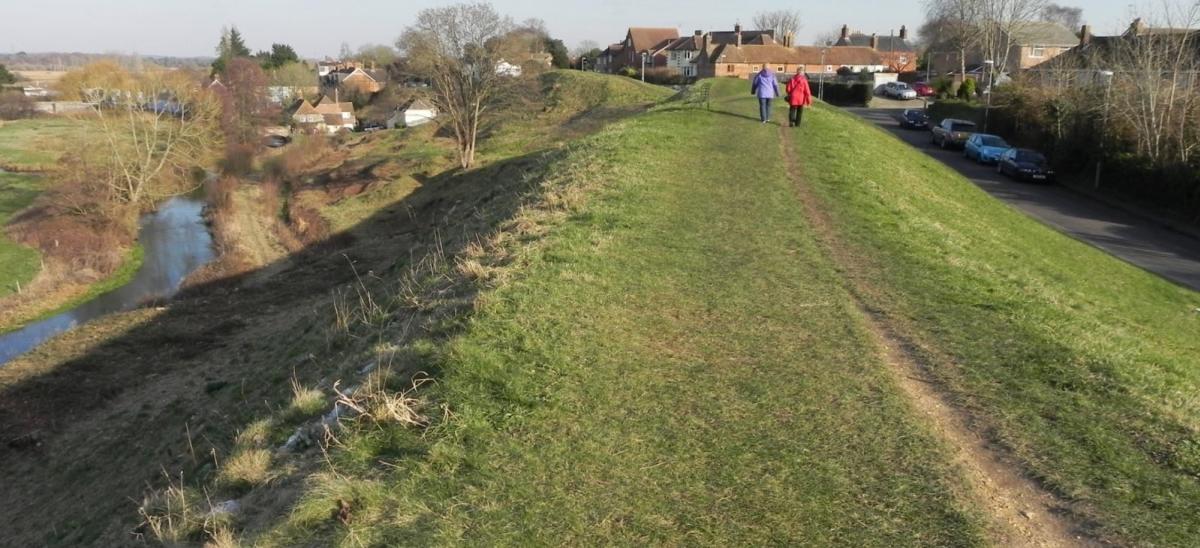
[351, 78]
[682, 51]
[1083, 64]
[1026, 46]
[740, 59]
[896, 51]
[327, 116]
[651, 42]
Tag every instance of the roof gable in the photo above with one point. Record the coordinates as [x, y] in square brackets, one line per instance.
[645, 38]
[1042, 33]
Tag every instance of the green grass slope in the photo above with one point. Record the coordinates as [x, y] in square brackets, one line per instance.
[1087, 367]
[18, 264]
[673, 363]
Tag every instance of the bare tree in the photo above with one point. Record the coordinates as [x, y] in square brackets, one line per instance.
[783, 22]
[157, 124]
[952, 25]
[998, 22]
[1155, 93]
[1066, 16]
[458, 48]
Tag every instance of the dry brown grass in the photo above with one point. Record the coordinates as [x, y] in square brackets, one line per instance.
[246, 469]
[376, 402]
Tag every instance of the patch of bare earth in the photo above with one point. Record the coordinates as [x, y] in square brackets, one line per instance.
[1021, 512]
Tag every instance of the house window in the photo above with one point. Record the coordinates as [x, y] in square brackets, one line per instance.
[1037, 51]
[728, 68]
[780, 69]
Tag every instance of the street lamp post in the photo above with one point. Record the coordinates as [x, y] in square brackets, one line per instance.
[1107, 77]
[644, 66]
[988, 65]
[821, 88]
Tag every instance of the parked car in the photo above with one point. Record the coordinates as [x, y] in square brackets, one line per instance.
[923, 89]
[984, 148]
[1025, 165]
[914, 118]
[899, 90]
[952, 132]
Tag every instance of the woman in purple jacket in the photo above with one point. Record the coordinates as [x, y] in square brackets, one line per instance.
[765, 87]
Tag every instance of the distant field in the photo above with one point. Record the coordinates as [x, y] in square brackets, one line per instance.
[41, 77]
[34, 144]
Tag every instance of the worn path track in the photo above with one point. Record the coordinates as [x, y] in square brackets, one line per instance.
[1022, 513]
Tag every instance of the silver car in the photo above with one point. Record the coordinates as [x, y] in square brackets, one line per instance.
[899, 90]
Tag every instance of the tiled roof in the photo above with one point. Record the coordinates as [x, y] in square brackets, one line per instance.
[1041, 33]
[887, 43]
[645, 38]
[760, 37]
[686, 43]
[328, 106]
[804, 55]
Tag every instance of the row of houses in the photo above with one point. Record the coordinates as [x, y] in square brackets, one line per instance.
[741, 52]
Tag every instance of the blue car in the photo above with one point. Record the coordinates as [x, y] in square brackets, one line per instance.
[984, 148]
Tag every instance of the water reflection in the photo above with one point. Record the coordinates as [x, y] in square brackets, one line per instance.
[176, 242]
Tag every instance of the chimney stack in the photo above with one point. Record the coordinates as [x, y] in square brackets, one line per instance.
[874, 41]
[788, 39]
[903, 32]
[737, 30]
[1085, 35]
[699, 33]
[845, 32]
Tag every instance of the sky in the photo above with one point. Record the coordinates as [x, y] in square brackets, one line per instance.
[318, 28]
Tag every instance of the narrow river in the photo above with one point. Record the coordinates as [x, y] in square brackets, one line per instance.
[176, 242]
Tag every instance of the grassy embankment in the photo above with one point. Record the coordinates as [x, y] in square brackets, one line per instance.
[32, 147]
[670, 360]
[181, 390]
[1086, 367]
[18, 264]
[23, 147]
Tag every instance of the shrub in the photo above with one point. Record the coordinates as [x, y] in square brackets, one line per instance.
[628, 71]
[665, 77]
[944, 87]
[846, 93]
[14, 106]
[966, 91]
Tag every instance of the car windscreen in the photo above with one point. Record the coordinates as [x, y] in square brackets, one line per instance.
[993, 142]
[962, 127]
[1030, 157]
[915, 114]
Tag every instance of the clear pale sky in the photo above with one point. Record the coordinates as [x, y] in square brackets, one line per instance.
[318, 28]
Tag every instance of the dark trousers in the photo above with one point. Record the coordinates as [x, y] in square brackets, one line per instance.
[795, 114]
[764, 109]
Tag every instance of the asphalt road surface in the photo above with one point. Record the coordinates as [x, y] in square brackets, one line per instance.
[1136, 239]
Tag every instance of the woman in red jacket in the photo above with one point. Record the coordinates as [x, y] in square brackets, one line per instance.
[799, 96]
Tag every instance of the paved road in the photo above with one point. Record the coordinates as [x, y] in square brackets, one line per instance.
[1138, 240]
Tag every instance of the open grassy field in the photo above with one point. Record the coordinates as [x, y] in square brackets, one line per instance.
[34, 144]
[18, 263]
[1085, 367]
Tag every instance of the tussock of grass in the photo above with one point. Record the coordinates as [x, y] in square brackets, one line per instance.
[245, 470]
[306, 401]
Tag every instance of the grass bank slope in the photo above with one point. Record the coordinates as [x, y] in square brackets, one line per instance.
[132, 412]
[18, 263]
[1086, 367]
[671, 362]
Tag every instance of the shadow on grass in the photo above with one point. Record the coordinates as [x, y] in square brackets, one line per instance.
[154, 392]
